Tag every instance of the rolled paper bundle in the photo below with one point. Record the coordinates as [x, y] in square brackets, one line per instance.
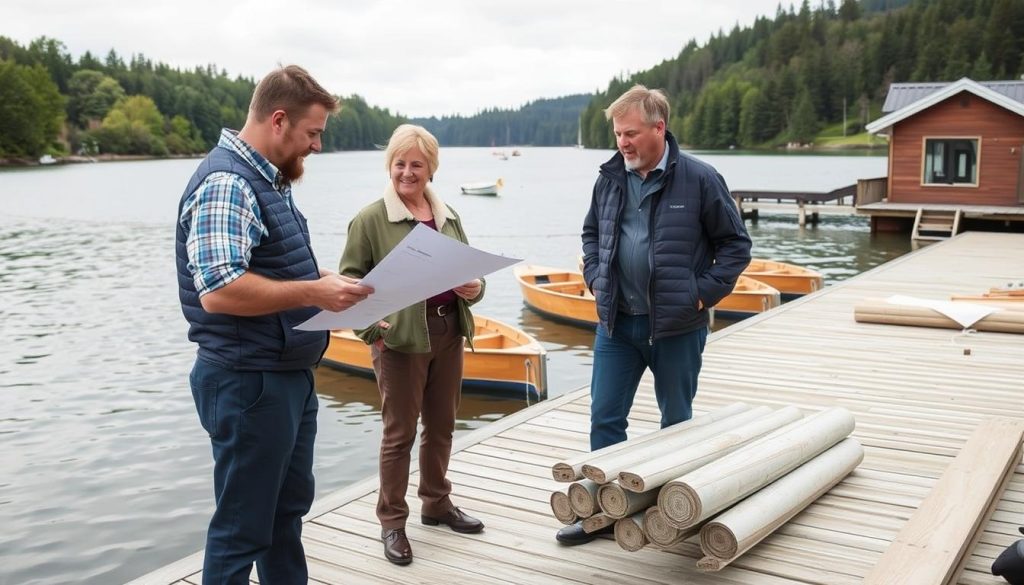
[884, 312]
[619, 503]
[629, 532]
[597, 522]
[562, 508]
[607, 468]
[583, 498]
[706, 491]
[741, 527]
[653, 473]
[572, 469]
[660, 532]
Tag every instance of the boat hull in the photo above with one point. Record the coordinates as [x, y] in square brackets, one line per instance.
[560, 295]
[504, 363]
[747, 299]
[790, 280]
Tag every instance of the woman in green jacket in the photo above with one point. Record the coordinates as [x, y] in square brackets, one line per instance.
[417, 352]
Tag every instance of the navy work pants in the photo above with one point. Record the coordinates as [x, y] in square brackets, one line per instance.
[262, 426]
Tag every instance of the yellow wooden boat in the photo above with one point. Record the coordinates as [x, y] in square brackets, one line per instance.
[789, 279]
[563, 296]
[504, 361]
[560, 295]
[749, 298]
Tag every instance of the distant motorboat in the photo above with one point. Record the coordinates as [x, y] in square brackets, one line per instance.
[47, 160]
[516, 153]
[482, 188]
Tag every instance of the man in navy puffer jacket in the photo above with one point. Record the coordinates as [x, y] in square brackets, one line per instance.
[662, 242]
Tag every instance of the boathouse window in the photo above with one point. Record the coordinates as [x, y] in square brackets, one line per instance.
[949, 161]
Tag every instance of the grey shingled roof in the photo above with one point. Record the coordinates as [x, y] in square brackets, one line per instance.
[904, 94]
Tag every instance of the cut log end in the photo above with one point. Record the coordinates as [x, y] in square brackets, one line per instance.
[711, 564]
[594, 474]
[562, 508]
[658, 530]
[629, 535]
[631, 482]
[716, 540]
[680, 505]
[563, 472]
[582, 498]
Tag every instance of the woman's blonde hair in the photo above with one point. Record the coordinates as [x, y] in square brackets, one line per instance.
[651, 103]
[408, 136]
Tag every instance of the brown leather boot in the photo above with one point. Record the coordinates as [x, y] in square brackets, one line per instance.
[396, 546]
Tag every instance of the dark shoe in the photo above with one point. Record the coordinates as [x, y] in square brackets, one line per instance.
[574, 534]
[396, 546]
[457, 520]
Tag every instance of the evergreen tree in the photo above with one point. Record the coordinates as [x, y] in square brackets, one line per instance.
[803, 125]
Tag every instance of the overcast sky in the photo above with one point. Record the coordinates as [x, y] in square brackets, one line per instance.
[432, 57]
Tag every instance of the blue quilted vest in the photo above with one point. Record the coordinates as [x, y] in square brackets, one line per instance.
[267, 342]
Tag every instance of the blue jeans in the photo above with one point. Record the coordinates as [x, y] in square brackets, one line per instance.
[262, 426]
[620, 361]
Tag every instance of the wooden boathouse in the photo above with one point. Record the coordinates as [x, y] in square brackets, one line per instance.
[917, 396]
[956, 155]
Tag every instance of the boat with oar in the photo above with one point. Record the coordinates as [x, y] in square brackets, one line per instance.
[505, 362]
[790, 280]
[482, 188]
[558, 294]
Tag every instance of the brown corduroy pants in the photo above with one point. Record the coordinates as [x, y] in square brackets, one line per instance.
[413, 385]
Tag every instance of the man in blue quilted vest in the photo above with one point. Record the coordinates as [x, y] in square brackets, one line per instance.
[246, 276]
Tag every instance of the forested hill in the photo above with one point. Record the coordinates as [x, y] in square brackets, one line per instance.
[785, 78]
[544, 122]
[53, 103]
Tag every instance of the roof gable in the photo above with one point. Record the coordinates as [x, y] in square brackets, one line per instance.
[1006, 94]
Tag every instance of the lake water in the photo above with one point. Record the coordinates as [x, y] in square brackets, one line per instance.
[105, 473]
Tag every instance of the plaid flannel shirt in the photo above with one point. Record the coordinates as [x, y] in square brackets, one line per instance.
[224, 219]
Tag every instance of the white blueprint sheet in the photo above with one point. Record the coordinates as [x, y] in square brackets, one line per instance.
[423, 264]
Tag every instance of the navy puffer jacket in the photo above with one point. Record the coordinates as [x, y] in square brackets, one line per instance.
[699, 244]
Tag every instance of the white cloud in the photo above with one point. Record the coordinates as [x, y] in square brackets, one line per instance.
[416, 58]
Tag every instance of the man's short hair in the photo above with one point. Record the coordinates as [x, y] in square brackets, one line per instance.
[291, 89]
[652, 104]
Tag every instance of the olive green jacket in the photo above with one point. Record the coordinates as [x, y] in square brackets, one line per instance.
[374, 232]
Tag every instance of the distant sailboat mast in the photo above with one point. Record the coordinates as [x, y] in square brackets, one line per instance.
[579, 131]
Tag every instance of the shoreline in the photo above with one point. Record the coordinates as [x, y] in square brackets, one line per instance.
[23, 162]
[80, 159]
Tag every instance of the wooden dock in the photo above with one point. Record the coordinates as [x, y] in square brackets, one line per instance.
[806, 204]
[916, 396]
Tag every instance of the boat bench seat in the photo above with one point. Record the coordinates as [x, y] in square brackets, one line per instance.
[488, 341]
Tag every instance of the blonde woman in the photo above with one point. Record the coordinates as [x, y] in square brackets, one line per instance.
[417, 352]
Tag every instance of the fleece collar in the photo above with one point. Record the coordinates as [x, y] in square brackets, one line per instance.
[398, 212]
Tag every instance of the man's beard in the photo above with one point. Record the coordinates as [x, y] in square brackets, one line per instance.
[636, 163]
[293, 169]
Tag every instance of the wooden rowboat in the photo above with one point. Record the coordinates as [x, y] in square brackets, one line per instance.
[749, 298]
[504, 361]
[560, 295]
[789, 279]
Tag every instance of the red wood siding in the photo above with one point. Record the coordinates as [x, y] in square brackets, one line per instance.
[1001, 135]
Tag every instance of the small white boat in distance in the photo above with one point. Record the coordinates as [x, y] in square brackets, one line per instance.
[482, 188]
[47, 159]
